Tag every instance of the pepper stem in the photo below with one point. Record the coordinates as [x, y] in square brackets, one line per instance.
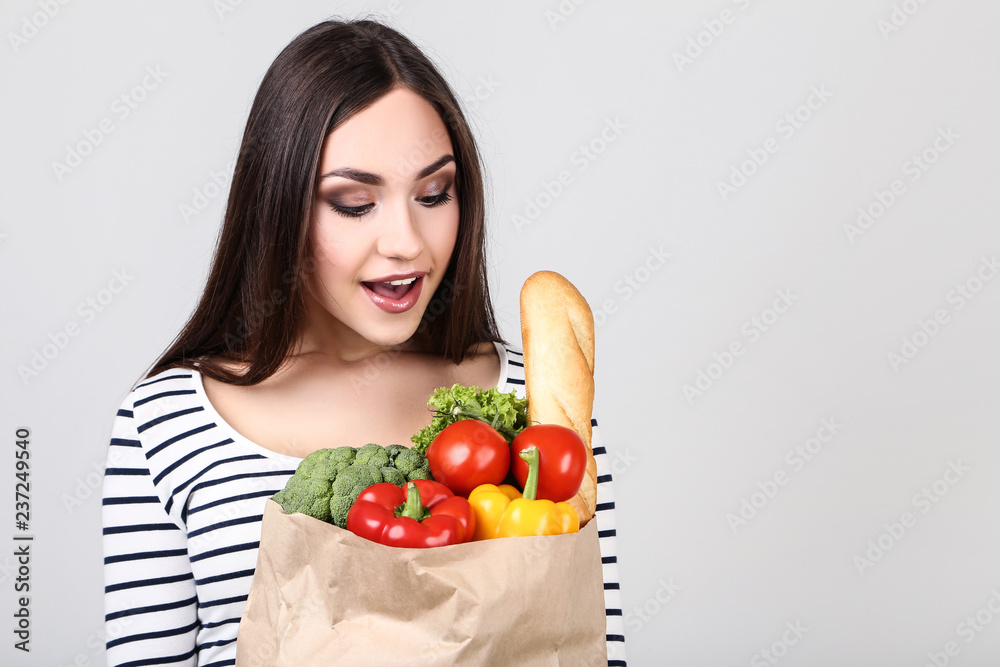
[530, 456]
[413, 507]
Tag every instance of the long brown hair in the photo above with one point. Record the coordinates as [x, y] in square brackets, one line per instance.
[252, 308]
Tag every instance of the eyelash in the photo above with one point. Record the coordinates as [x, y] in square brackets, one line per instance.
[358, 211]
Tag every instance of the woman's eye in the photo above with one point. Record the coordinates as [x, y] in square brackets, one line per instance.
[351, 211]
[435, 200]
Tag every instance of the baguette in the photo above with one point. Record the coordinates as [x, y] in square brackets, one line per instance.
[557, 334]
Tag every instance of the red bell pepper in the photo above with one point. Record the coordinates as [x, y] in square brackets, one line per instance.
[425, 514]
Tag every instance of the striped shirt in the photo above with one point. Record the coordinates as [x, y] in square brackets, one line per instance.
[184, 495]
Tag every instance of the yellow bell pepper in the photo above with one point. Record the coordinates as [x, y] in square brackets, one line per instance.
[503, 511]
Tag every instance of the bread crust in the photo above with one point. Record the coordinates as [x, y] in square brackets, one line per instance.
[557, 335]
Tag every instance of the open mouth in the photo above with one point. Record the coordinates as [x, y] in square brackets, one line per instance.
[396, 296]
[394, 290]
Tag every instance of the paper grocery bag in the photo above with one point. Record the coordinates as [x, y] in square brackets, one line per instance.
[324, 596]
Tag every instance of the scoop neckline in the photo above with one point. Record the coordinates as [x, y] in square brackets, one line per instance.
[239, 438]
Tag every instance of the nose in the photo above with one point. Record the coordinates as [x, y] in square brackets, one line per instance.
[400, 236]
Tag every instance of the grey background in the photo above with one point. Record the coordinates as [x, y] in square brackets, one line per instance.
[695, 591]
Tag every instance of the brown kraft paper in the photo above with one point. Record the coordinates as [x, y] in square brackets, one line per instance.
[322, 595]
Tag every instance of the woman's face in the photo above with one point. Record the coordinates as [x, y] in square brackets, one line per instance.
[385, 211]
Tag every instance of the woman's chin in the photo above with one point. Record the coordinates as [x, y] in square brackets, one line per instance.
[399, 337]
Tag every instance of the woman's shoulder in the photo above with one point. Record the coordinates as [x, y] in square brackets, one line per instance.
[511, 359]
[174, 384]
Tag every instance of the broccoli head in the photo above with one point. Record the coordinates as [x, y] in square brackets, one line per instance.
[393, 476]
[408, 460]
[352, 481]
[347, 487]
[372, 455]
[343, 454]
[420, 473]
[339, 507]
[319, 458]
[307, 495]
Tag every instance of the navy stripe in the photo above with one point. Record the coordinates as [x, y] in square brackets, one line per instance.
[125, 442]
[126, 471]
[139, 528]
[222, 663]
[166, 443]
[612, 612]
[225, 524]
[176, 392]
[144, 555]
[170, 501]
[216, 624]
[609, 559]
[158, 661]
[611, 586]
[601, 479]
[122, 412]
[216, 603]
[159, 420]
[136, 500]
[519, 364]
[148, 582]
[152, 635]
[224, 577]
[231, 499]
[593, 422]
[232, 478]
[225, 550]
[605, 506]
[599, 450]
[517, 381]
[169, 377]
[611, 663]
[615, 638]
[606, 533]
[151, 608]
[221, 642]
[181, 461]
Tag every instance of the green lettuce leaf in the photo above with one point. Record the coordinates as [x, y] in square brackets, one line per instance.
[505, 412]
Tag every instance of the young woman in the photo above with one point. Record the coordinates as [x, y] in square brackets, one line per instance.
[349, 282]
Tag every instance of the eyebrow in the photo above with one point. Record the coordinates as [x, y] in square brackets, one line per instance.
[374, 179]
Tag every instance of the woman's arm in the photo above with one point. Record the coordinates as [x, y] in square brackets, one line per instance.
[149, 595]
[609, 552]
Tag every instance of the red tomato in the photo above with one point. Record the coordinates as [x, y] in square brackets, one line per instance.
[562, 460]
[468, 453]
